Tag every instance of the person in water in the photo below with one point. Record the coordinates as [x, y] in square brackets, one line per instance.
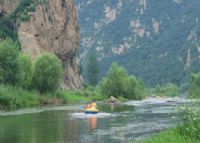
[92, 105]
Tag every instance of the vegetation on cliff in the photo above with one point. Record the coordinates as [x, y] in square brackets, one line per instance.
[7, 29]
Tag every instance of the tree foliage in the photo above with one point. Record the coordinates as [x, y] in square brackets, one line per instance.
[194, 91]
[168, 89]
[25, 65]
[92, 69]
[47, 73]
[9, 67]
[119, 83]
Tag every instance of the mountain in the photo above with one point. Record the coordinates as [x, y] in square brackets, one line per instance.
[158, 41]
[44, 26]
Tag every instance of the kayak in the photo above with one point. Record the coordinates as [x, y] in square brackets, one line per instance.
[91, 111]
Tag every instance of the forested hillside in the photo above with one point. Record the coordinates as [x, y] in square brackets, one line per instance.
[157, 41]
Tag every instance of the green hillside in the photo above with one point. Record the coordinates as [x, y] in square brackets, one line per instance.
[157, 41]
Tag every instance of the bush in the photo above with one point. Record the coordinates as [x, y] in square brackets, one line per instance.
[191, 122]
[172, 90]
[9, 67]
[169, 89]
[194, 91]
[47, 73]
[23, 10]
[118, 83]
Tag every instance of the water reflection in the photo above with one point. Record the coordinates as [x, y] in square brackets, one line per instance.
[112, 108]
[114, 124]
[92, 122]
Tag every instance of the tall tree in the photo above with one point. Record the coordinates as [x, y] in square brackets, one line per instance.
[9, 67]
[92, 69]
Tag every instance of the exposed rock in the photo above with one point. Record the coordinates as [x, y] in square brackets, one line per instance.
[52, 28]
[112, 100]
[8, 6]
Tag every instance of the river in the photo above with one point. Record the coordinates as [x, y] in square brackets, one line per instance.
[122, 123]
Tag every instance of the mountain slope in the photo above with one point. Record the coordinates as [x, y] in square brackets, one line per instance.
[158, 41]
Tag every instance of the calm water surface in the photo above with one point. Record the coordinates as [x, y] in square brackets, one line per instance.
[68, 124]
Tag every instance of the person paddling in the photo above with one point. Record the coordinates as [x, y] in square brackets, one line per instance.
[93, 104]
[91, 108]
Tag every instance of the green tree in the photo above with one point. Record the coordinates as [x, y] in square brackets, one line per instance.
[134, 88]
[47, 73]
[119, 83]
[172, 90]
[92, 69]
[26, 71]
[9, 67]
[194, 91]
[115, 81]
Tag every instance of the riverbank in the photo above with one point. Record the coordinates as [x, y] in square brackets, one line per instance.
[187, 131]
[169, 136]
[12, 98]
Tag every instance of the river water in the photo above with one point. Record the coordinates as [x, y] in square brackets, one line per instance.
[120, 123]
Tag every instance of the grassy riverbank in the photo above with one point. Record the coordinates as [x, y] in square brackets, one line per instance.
[186, 132]
[169, 136]
[15, 97]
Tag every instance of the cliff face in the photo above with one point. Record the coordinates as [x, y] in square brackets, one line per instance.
[8, 6]
[53, 27]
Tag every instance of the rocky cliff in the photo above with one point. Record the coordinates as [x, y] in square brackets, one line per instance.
[8, 6]
[48, 26]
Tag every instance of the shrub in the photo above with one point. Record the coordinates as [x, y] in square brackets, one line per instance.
[47, 73]
[169, 89]
[172, 90]
[23, 10]
[194, 91]
[191, 122]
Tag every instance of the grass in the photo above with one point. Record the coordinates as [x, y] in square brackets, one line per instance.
[12, 98]
[69, 96]
[169, 136]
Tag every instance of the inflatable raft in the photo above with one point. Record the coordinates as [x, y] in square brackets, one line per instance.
[91, 110]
